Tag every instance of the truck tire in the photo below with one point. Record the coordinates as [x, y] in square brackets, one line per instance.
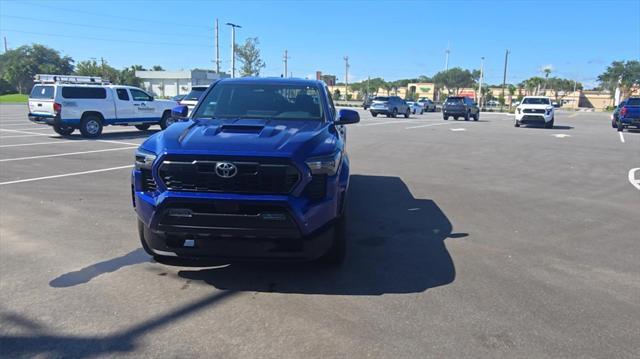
[91, 126]
[143, 127]
[407, 114]
[550, 123]
[374, 114]
[517, 124]
[477, 116]
[335, 255]
[394, 113]
[445, 116]
[63, 130]
[166, 120]
[466, 116]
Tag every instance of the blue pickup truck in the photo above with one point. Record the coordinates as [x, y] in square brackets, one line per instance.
[258, 171]
[627, 114]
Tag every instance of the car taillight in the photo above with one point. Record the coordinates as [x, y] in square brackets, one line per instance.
[57, 108]
[623, 112]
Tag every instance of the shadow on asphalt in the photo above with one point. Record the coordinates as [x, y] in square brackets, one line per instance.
[128, 135]
[44, 342]
[86, 274]
[544, 128]
[395, 245]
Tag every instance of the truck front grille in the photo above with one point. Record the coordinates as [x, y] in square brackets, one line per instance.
[254, 175]
[148, 183]
[533, 110]
[317, 188]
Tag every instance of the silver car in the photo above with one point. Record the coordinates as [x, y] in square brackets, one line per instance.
[416, 107]
[391, 106]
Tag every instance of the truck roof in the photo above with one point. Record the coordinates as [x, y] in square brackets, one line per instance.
[273, 81]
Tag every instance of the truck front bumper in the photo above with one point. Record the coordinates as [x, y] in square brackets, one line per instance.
[236, 226]
[533, 118]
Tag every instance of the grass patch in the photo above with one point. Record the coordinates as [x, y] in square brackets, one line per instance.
[14, 97]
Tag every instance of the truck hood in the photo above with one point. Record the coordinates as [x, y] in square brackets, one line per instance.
[245, 137]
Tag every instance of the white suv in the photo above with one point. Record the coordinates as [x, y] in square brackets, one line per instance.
[535, 110]
[80, 102]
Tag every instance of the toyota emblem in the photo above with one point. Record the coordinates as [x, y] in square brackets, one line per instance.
[226, 169]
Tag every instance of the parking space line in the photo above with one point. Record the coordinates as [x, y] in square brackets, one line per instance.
[64, 175]
[621, 137]
[42, 143]
[21, 123]
[388, 122]
[34, 128]
[17, 136]
[19, 131]
[67, 154]
[632, 178]
[429, 125]
[119, 142]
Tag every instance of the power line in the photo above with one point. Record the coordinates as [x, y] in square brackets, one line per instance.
[97, 26]
[136, 19]
[103, 39]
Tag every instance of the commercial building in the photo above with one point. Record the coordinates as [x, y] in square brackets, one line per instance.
[172, 83]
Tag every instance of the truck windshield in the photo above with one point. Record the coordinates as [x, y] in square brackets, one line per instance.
[195, 94]
[282, 101]
[535, 101]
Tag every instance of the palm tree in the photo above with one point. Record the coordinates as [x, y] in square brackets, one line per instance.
[547, 71]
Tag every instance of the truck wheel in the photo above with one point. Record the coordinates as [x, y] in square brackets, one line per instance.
[394, 113]
[374, 114]
[477, 116]
[517, 124]
[455, 118]
[466, 116]
[143, 127]
[613, 124]
[166, 120]
[335, 255]
[620, 126]
[406, 114]
[549, 124]
[63, 130]
[91, 126]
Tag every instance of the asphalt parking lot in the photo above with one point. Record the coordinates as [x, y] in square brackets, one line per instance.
[466, 239]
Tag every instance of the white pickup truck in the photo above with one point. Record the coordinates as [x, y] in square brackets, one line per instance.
[77, 102]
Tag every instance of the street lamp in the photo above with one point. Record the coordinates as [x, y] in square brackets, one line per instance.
[233, 48]
[481, 78]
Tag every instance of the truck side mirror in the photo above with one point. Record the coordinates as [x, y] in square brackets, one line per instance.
[346, 117]
[180, 111]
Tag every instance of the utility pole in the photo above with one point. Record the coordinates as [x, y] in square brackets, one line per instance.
[233, 48]
[481, 78]
[504, 78]
[446, 60]
[286, 58]
[217, 50]
[346, 76]
[5, 44]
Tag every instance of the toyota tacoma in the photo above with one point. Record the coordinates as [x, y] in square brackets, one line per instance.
[535, 110]
[258, 171]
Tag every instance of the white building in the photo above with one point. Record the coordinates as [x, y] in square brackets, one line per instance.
[172, 83]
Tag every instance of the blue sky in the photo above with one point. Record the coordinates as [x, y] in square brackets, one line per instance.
[577, 38]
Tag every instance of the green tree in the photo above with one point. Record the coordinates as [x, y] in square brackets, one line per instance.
[19, 66]
[93, 68]
[127, 76]
[157, 68]
[454, 79]
[336, 94]
[249, 56]
[627, 74]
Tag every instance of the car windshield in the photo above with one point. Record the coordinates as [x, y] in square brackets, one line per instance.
[535, 101]
[256, 100]
[195, 94]
[455, 100]
[381, 98]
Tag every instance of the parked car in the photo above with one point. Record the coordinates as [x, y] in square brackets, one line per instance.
[259, 172]
[390, 106]
[535, 110]
[428, 105]
[629, 114]
[366, 103]
[86, 103]
[616, 113]
[460, 106]
[415, 107]
[191, 99]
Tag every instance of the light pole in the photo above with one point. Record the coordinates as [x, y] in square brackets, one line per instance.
[481, 78]
[233, 48]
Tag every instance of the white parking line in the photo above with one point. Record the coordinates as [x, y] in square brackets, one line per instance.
[42, 143]
[621, 137]
[16, 136]
[34, 128]
[429, 125]
[67, 154]
[64, 175]
[389, 122]
[21, 123]
[458, 129]
[632, 178]
[19, 131]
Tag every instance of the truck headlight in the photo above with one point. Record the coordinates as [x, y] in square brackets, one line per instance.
[549, 111]
[325, 165]
[144, 159]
